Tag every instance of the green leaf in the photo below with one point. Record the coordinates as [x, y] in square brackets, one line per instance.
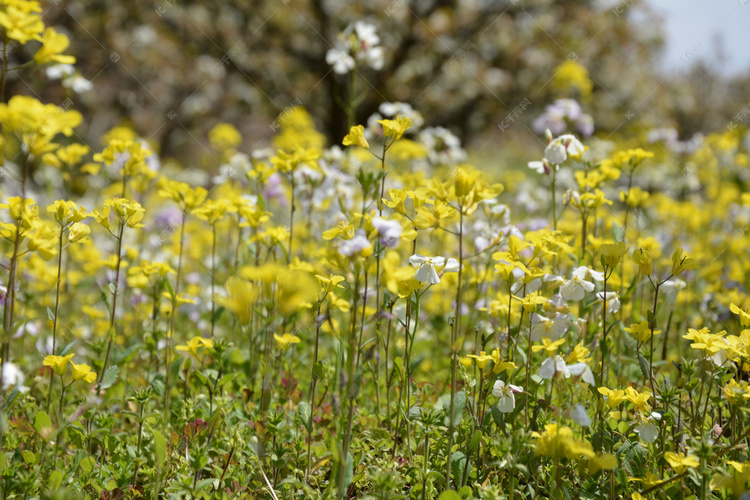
[318, 371]
[28, 457]
[645, 366]
[475, 439]
[459, 402]
[449, 495]
[87, 465]
[458, 462]
[41, 422]
[160, 448]
[55, 480]
[50, 315]
[304, 411]
[110, 377]
[465, 492]
[203, 379]
[67, 348]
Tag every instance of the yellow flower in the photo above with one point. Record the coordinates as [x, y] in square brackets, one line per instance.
[186, 198]
[549, 347]
[224, 136]
[356, 136]
[395, 128]
[78, 231]
[481, 360]
[737, 393]
[241, 296]
[82, 372]
[20, 24]
[53, 46]
[67, 212]
[612, 253]
[286, 341]
[500, 365]
[639, 399]
[558, 442]
[643, 257]
[287, 162]
[681, 264]
[331, 283]
[743, 313]
[532, 300]
[58, 363]
[614, 397]
[680, 462]
[194, 344]
[641, 331]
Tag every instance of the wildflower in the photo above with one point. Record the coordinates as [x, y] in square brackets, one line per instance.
[679, 462]
[53, 46]
[426, 267]
[612, 253]
[186, 198]
[395, 128]
[613, 397]
[58, 363]
[194, 344]
[578, 414]
[639, 399]
[356, 136]
[356, 245]
[506, 393]
[388, 230]
[642, 257]
[681, 264]
[641, 332]
[613, 301]
[482, 360]
[646, 427]
[331, 283]
[78, 231]
[558, 442]
[531, 301]
[743, 313]
[82, 372]
[737, 393]
[575, 288]
[499, 364]
[286, 341]
[553, 328]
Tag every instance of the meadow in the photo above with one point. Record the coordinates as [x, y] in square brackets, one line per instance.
[379, 317]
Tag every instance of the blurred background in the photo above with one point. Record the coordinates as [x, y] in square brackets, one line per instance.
[491, 72]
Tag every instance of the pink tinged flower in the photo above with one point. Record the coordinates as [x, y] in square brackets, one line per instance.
[388, 230]
[355, 245]
[505, 392]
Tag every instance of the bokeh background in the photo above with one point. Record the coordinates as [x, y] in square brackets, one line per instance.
[485, 70]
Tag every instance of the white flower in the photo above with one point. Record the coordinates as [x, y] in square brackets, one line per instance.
[388, 230]
[647, 429]
[426, 272]
[613, 301]
[551, 366]
[340, 59]
[575, 288]
[557, 151]
[507, 401]
[542, 326]
[354, 245]
[584, 370]
[11, 376]
[671, 288]
[531, 287]
[579, 415]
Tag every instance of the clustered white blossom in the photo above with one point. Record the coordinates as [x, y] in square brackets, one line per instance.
[359, 43]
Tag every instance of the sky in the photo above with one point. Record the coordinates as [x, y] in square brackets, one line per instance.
[702, 29]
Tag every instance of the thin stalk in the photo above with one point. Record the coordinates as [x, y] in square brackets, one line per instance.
[111, 332]
[454, 354]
